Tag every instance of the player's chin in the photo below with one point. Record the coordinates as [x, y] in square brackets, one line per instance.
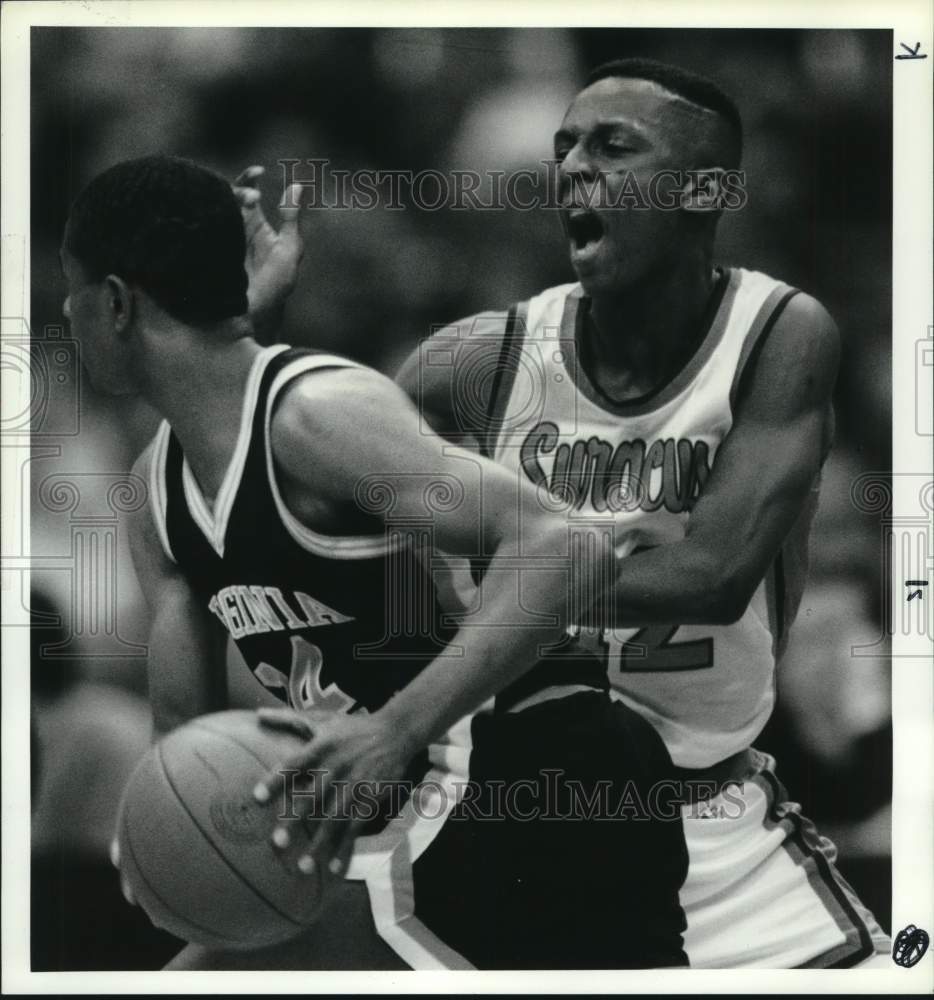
[596, 277]
[600, 266]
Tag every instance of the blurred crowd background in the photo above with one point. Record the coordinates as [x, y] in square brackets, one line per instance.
[817, 112]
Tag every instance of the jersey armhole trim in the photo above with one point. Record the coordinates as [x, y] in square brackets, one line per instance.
[157, 487]
[506, 366]
[758, 333]
[765, 320]
[775, 604]
[327, 546]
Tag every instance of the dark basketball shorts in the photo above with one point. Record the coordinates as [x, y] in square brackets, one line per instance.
[538, 839]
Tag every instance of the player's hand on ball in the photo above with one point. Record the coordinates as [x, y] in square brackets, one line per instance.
[272, 258]
[124, 884]
[347, 760]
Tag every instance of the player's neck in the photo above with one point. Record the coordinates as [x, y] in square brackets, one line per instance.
[646, 330]
[198, 384]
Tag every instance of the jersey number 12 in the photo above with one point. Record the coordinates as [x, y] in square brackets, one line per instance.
[650, 649]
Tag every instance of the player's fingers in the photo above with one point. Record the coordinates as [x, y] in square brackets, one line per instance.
[341, 860]
[272, 783]
[324, 844]
[328, 810]
[249, 177]
[288, 720]
[300, 767]
[302, 805]
[318, 718]
[290, 210]
[338, 818]
[247, 197]
[258, 231]
[285, 720]
[290, 238]
[127, 891]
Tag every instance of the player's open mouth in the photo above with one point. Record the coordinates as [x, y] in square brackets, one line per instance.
[585, 230]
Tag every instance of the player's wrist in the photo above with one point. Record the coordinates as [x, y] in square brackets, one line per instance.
[406, 726]
[266, 321]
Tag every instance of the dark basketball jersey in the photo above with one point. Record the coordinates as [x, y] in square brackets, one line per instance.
[343, 622]
[315, 616]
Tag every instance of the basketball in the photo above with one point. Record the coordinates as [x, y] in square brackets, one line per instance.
[195, 846]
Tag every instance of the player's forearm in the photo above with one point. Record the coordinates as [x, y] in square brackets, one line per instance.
[710, 576]
[685, 582]
[186, 669]
[495, 650]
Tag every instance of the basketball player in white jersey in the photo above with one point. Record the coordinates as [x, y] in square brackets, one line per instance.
[281, 482]
[694, 402]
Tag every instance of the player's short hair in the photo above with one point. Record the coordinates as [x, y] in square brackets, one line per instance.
[168, 226]
[691, 86]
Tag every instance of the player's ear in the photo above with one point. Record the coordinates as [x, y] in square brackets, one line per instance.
[703, 190]
[119, 301]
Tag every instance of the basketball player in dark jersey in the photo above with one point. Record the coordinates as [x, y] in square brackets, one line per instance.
[694, 402]
[288, 493]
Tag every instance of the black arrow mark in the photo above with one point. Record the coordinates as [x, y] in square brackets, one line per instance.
[914, 53]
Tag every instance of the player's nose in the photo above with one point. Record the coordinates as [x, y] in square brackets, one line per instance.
[577, 163]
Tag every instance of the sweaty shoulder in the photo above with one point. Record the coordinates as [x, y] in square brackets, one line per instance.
[449, 375]
[322, 400]
[321, 414]
[796, 367]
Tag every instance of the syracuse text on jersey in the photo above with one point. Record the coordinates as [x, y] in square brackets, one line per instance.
[667, 473]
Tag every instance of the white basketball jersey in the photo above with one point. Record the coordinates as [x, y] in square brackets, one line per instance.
[707, 689]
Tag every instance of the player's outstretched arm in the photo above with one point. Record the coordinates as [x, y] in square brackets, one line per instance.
[763, 473]
[352, 435]
[450, 377]
[187, 675]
